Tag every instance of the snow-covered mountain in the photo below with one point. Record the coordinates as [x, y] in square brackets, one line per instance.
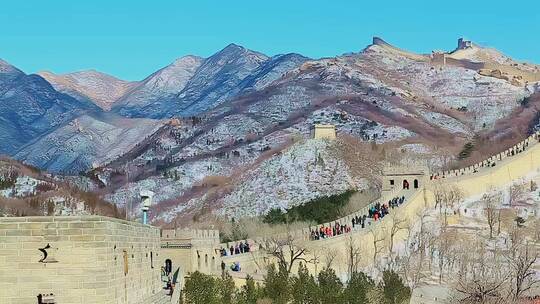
[30, 107]
[242, 151]
[87, 142]
[272, 69]
[241, 141]
[159, 89]
[192, 85]
[60, 132]
[25, 191]
[102, 89]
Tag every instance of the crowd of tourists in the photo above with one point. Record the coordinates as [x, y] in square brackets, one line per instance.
[241, 247]
[374, 213]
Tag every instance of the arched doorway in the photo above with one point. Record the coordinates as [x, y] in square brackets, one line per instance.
[405, 184]
[168, 266]
[415, 184]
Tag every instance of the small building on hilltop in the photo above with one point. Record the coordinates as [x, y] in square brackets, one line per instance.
[464, 44]
[321, 131]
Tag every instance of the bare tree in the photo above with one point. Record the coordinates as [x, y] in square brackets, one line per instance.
[536, 230]
[288, 251]
[353, 256]
[398, 223]
[439, 192]
[445, 242]
[521, 258]
[491, 202]
[507, 220]
[484, 278]
[412, 263]
[316, 260]
[455, 196]
[447, 197]
[329, 257]
[515, 192]
[378, 241]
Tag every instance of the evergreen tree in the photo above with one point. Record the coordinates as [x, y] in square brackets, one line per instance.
[330, 287]
[304, 289]
[249, 293]
[227, 289]
[201, 289]
[50, 208]
[394, 290]
[277, 285]
[357, 289]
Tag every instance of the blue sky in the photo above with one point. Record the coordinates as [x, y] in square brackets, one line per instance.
[131, 39]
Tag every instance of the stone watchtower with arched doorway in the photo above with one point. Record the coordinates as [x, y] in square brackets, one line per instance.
[403, 178]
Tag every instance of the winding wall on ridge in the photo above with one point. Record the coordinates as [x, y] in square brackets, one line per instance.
[495, 172]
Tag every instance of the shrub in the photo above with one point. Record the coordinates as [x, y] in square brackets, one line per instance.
[466, 151]
[277, 285]
[304, 288]
[279, 288]
[525, 101]
[201, 289]
[330, 287]
[249, 293]
[227, 289]
[394, 290]
[45, 187]
[320, 210]
[8, 179]
[358, 287]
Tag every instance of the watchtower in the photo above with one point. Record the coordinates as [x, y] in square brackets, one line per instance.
[324, 131]
[403, 178]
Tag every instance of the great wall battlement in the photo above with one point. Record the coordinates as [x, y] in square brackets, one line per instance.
[492, 160]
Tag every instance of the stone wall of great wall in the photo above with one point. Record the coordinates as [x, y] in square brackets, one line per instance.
[492, 160]
[89, 259]
[192, 249]
[93, 259]
[495, 172]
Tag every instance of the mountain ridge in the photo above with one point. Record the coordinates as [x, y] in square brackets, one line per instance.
[102, 89]
[236, 122]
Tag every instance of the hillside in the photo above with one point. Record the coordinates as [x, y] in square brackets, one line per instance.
[229, 158]
[158, 88]
[30, 107]
[86, 142]
[240, 140]
[193, 85]
[27, 191]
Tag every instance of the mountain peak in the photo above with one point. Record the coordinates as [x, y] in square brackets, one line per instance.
[235, 49]
[187, 60]
[234, 46]
[100, 88]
